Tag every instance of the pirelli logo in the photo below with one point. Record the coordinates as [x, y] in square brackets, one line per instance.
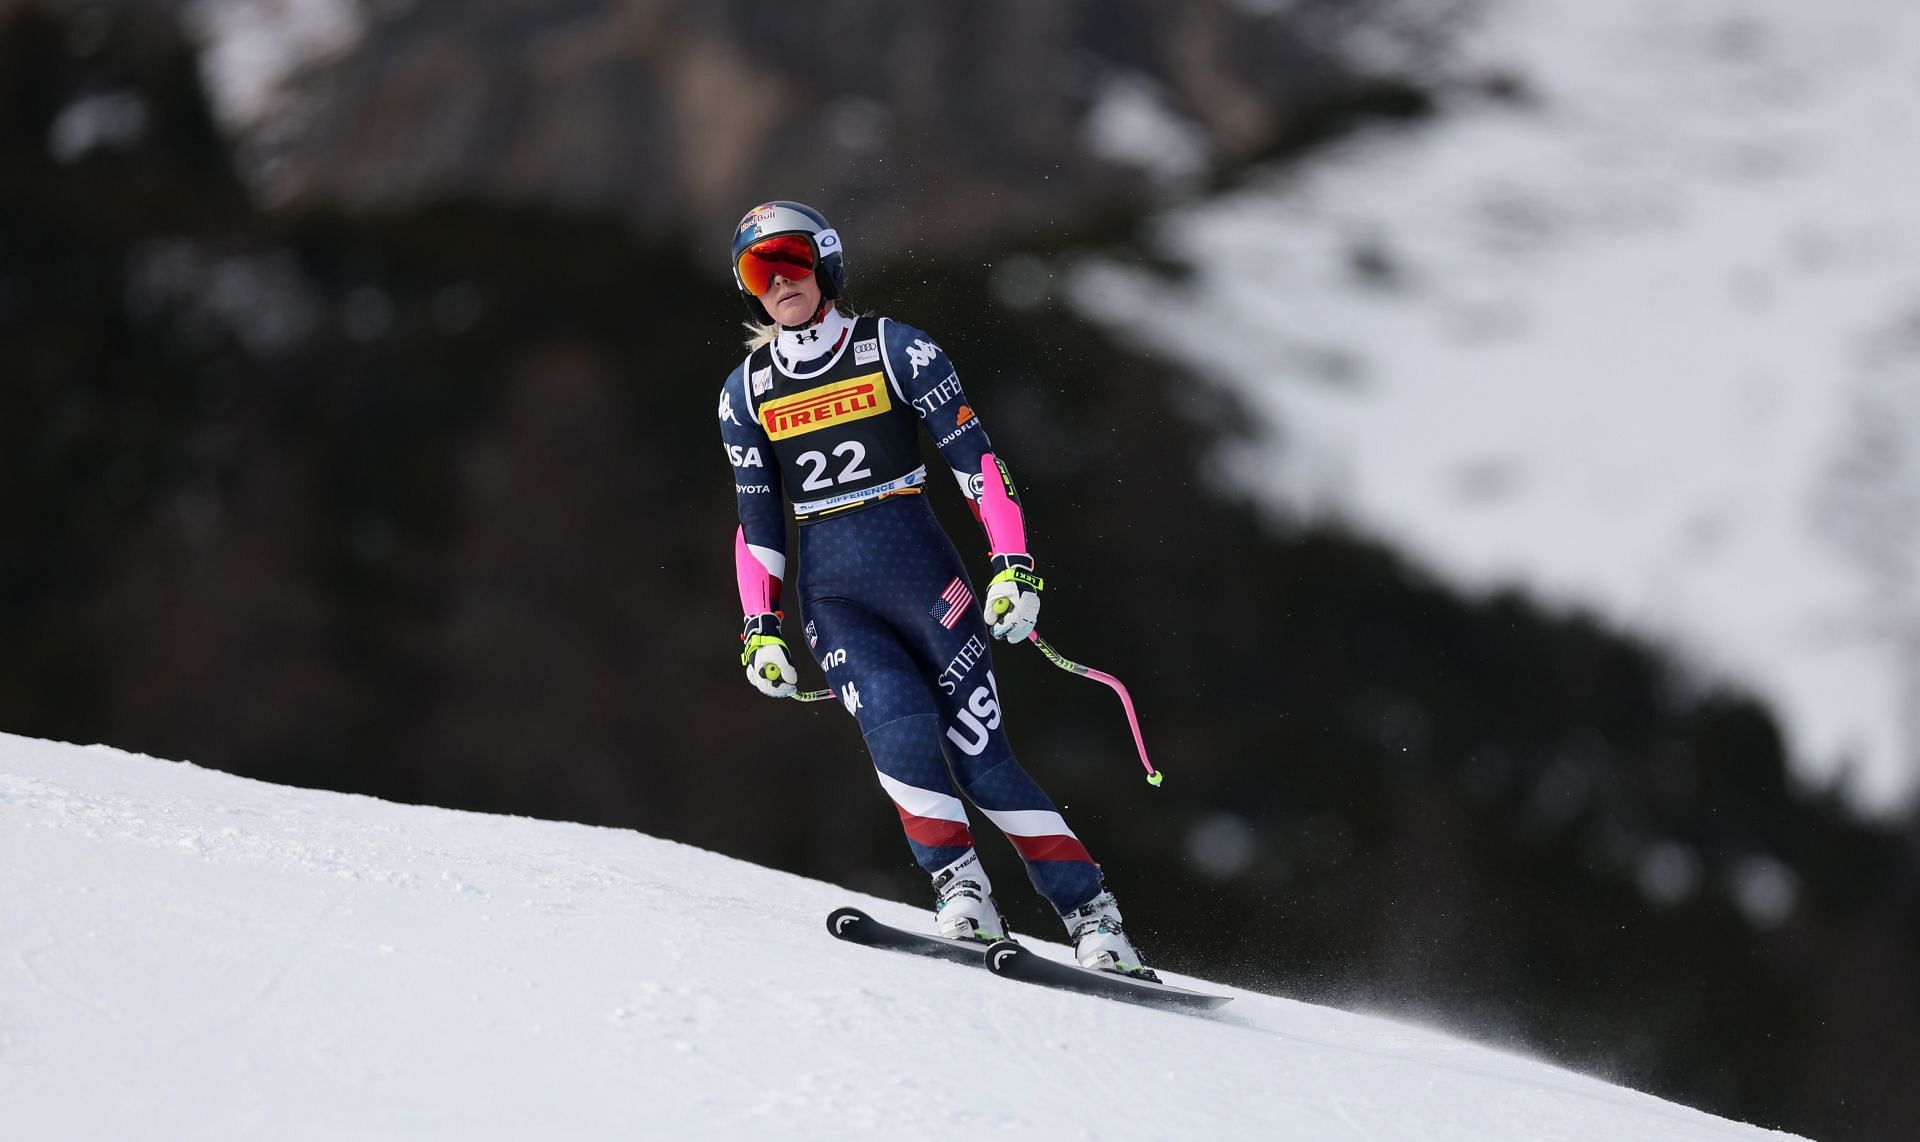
[842, 401]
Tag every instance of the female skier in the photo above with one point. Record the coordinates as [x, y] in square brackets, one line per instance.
[825, 413]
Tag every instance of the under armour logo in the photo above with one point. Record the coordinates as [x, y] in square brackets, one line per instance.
[809, 335]
[851, 697]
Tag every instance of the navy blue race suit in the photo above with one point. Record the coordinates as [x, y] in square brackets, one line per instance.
[828, 420]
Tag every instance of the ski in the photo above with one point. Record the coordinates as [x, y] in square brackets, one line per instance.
[1015, 962]
[857, 927]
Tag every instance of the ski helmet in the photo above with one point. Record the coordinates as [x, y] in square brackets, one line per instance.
[773, 219]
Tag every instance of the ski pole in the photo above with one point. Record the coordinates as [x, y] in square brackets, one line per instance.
[1154, 776]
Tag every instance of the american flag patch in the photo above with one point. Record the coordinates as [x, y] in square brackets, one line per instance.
[953, 604]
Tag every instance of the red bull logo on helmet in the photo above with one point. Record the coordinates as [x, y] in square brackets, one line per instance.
[758, 215]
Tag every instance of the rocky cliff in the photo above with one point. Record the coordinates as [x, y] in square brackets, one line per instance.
[938, 126]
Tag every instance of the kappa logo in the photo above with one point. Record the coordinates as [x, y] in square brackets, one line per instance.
[726, 407]
[922, 353]
[744, 457]
[762, 380]
[866, 352]
[814, 409]
[851, 697]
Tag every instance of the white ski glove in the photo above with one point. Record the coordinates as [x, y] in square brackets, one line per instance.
[764, 654]
[1013, 597]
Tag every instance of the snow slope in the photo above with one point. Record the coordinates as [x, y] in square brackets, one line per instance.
[187, 954]
[1616, 340]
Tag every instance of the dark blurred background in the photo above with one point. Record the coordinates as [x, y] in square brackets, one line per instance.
[373, 450]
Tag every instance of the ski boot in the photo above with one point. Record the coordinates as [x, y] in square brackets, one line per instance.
[1100, 941]
[965, 910]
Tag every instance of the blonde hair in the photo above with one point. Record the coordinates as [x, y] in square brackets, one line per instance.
[760, 335]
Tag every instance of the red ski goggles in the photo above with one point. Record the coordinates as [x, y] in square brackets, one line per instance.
[791, 256]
